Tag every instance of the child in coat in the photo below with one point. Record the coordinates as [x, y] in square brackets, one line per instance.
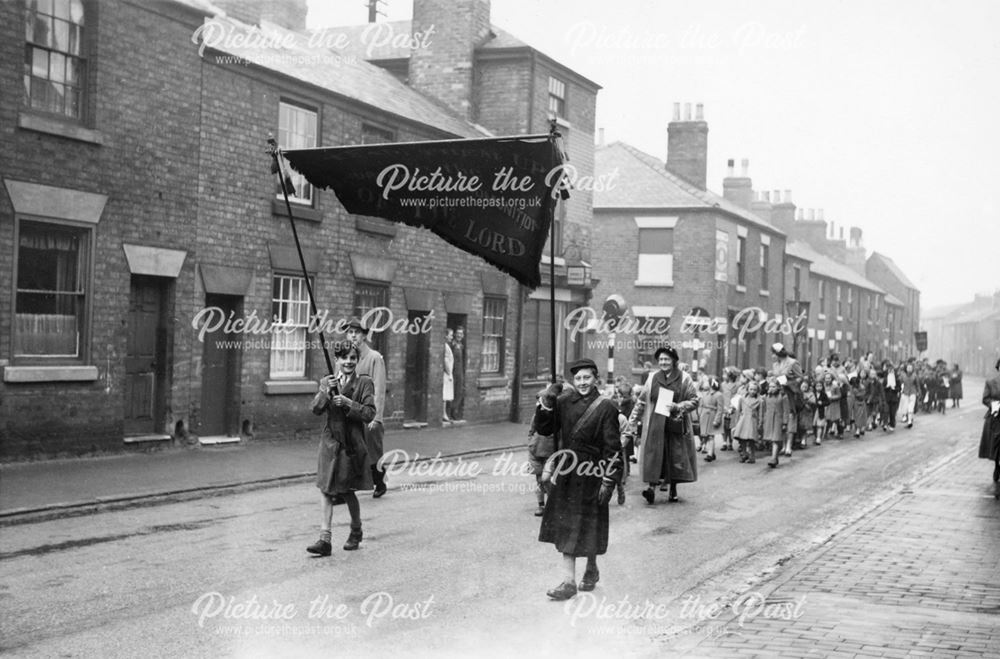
[747, 428]
[774, 419]
[710, 414]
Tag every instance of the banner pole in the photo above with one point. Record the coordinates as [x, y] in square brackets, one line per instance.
[553, 135]
[275, 156]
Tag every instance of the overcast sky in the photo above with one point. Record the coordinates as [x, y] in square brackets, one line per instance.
[884, 114]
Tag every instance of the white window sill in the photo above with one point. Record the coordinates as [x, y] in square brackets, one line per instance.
[821, 316]
[662, 284]
[284, 387]
[765, 294]
[69, 128]
[49, 373]
[840, 319]
[740, 288]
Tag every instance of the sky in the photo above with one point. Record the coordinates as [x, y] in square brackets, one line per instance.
[886, 115]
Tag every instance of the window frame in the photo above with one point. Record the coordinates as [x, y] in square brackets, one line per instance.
[488, 337]
[82, 57]
[557, 96]
[765, 255]
[655, 268]
[741, 264]
[86, 280]
[306, 369]
[295, 199]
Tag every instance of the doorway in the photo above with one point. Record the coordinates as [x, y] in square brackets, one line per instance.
[220, 372]
[417, 360]
[146, 356]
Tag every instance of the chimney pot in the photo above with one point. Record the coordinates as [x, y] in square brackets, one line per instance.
[687, 112]
[745, 164]
[776, 196]
[730, 167]
[788, 196]
[677, 111]
[798, 213]
[841, 233]
[810, 215]
[820, 211]
[699, 112]
[600, 137]
[765, 196]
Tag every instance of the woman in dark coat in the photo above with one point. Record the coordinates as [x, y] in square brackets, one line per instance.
[348, 400]
[582, 473]
[668, 454]
[989, 443]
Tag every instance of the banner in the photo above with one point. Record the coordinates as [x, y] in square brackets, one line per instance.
[493, 197]
[921, 340]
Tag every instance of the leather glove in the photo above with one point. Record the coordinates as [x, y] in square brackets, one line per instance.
[604, 496]
[548, 397]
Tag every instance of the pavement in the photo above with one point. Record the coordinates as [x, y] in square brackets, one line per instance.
[34, 491]
[918, 577]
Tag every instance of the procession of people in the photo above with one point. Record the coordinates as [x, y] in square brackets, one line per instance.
[584, 437]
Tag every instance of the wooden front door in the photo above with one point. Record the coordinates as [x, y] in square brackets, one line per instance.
[220, 372]
[417, 360]
[145, 357]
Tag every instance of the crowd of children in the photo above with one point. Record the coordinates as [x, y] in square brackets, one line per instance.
[752, 411]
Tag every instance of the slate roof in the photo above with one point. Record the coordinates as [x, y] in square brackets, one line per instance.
[289, 53]
[643, 182]
[359, 42]
[894, 269]
[824, 266]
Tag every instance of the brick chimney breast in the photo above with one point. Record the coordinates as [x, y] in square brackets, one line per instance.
[446, 34]
[783, 212]
[687, 146]
[738, 189]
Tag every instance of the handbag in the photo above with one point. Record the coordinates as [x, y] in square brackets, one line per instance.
[675, 425]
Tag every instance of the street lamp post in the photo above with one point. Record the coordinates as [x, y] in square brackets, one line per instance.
[614, 307]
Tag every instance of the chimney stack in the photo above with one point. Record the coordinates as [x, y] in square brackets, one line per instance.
[761, 207]
[738, 189]
[856, 252]
[783, 212]
[443, 70]
[687, 146]
[600, 137]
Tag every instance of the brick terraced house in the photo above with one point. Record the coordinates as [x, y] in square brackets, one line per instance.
[138, 212]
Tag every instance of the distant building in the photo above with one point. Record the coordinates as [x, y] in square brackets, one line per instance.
[966, 334]
[686, 261]
[727, 276]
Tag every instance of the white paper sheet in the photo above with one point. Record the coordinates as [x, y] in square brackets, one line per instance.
[664, 398]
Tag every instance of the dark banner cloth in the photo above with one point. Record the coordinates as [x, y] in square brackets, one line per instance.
[490, 197]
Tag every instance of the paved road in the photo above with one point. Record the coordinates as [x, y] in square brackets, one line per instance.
[450, 569]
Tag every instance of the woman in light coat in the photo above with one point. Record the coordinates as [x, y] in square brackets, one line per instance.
[667, 452]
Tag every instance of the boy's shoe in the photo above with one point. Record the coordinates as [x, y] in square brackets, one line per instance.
[589, 580]
[320, 548]
[563, 591]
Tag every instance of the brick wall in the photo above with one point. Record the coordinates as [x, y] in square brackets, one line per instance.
[183, 165]
[147, 167]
